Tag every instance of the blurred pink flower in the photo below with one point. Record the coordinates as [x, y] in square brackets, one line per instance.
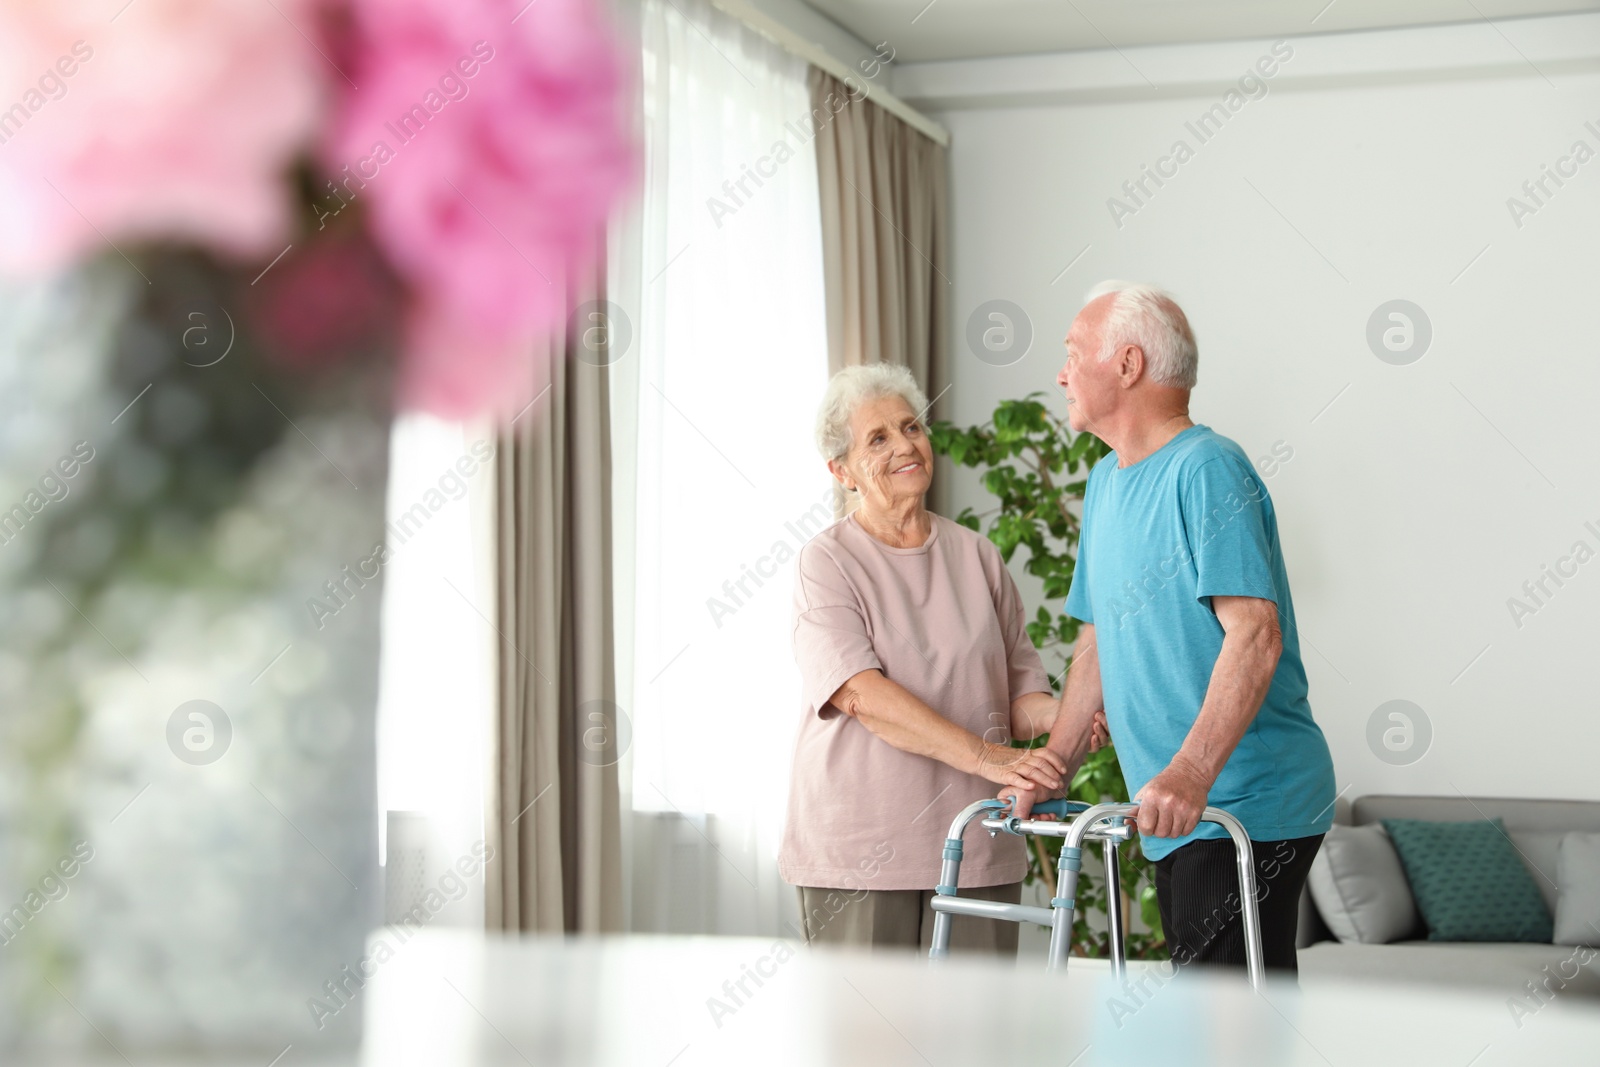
[332, 298]
[175, 121]
[454, 370]
[490, 142]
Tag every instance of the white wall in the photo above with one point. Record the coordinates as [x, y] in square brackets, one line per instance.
[1378, 166]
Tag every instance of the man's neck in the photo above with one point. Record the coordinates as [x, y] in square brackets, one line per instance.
[1147, 437]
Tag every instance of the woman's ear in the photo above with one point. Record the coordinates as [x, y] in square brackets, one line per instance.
[839, 473]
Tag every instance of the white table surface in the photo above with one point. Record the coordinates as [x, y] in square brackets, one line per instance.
[458, 998]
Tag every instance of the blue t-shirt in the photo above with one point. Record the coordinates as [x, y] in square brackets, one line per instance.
[1161, 537]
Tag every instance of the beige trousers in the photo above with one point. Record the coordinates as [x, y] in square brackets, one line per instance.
[903, 919]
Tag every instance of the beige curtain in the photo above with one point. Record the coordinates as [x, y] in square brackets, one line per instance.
[554, 819]
[884, 240]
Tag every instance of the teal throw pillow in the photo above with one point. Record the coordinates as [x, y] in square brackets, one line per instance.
[1469, 882]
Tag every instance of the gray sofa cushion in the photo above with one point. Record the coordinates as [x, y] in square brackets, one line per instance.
[1538, 849]
[1577, 908]
[1469, 882]
[1534, 826]
[1360, 888]
[1309, 928]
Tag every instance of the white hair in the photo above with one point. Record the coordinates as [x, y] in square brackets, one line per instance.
[852, 386]
[1150, 318]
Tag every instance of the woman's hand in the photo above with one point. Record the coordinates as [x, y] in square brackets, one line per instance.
[1026, 768]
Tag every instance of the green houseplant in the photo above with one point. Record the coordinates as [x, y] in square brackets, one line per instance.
[1031, 462]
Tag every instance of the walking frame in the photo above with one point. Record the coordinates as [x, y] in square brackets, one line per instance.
[1106, 823]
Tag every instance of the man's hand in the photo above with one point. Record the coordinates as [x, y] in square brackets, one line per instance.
[1171, 803]
[1022, 800]
[1020, 767]
[1102, 732]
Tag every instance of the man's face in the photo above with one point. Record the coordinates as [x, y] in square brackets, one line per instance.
[1083, 378]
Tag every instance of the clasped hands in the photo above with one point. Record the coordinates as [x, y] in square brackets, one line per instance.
[1024, 795]
[1169, 805]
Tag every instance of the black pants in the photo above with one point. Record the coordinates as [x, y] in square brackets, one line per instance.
[1197, 890]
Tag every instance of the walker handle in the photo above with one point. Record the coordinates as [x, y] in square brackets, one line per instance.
[1059, 808]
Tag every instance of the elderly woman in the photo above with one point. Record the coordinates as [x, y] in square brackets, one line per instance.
[916, 674]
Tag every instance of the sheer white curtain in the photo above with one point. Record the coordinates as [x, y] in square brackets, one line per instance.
[436, 668]
[723, 287]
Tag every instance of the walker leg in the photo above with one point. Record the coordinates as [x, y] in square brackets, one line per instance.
[1065, 904]
[1118, 936]
[1254, 955]
[949, 879]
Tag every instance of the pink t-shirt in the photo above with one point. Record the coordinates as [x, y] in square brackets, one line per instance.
[944, 621]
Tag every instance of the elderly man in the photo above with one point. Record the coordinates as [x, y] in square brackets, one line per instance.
[1189, 648]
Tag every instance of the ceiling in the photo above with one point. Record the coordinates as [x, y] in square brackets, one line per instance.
[918, 30]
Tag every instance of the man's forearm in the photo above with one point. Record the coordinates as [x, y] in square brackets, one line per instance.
[1081, 697]
[1239, 683]
[1033, 714]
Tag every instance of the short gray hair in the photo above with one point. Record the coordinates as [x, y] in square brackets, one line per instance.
[851, 387]
[1150, 318]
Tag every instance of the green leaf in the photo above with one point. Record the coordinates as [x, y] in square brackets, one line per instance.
[1149, 909]
[999, 480]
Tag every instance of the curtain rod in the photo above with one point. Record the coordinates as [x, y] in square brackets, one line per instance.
[793, 43]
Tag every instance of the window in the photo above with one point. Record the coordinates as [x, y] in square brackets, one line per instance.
[731, 360]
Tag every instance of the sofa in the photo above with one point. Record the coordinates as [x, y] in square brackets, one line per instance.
[1397, 949]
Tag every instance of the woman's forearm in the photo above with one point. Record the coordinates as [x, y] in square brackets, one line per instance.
[897, 717]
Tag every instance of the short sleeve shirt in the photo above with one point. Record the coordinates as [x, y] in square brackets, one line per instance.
[1161, 537]
[944, 620]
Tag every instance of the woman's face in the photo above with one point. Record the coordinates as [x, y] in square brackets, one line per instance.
[890, 460]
